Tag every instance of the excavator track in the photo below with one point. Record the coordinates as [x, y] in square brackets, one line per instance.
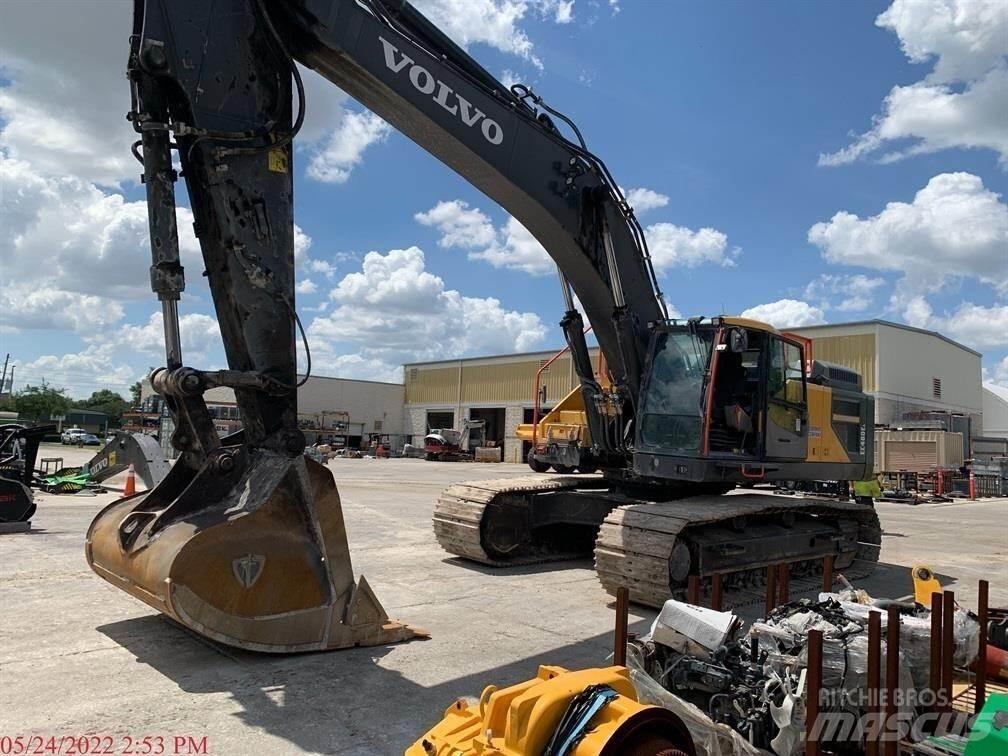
[464, 517]
[636, 543]
[642, 544]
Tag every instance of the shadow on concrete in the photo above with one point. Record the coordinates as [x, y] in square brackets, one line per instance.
[894, 581]
[343, 702]
[523, 569]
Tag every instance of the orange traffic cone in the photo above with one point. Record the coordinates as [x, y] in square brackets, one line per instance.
[130, 481]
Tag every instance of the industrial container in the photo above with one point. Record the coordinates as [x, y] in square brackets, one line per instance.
[917, 450]
[946, 421]
[987, 447]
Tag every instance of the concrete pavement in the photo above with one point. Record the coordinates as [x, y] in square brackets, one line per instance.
[78, 657]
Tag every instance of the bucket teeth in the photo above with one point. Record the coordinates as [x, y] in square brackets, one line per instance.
[254, 557]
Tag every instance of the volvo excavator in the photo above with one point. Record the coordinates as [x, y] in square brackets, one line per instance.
[244, 540]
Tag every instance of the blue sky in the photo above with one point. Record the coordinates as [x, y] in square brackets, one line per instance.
[807, 162]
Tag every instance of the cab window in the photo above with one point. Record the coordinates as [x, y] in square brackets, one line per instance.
[785, 389]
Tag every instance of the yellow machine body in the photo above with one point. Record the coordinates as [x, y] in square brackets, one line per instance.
[521, 719]
[824, 444]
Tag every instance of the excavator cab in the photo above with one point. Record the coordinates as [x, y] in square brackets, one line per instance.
[728, 399]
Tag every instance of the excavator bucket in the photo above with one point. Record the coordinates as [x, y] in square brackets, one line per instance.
[249, 550]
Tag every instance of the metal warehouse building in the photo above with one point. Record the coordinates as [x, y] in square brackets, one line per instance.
[339, 411]
[908, 370]
[496, 389]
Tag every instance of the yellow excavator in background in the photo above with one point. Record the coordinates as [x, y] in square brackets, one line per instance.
[561, 439]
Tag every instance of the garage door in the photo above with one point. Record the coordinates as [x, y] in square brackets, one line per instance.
[913, 456]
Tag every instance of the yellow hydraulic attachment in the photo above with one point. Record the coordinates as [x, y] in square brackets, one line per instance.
[564, 423]
[523, 720]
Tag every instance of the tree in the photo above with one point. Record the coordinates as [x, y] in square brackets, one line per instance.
[40, 402]
[135, 394]
[109, 402]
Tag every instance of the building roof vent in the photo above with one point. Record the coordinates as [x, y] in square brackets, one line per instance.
[936, 387]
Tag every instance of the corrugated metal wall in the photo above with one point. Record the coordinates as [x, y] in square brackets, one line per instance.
[514, 382]
[856, 352]
[434, 385]
[488, 384]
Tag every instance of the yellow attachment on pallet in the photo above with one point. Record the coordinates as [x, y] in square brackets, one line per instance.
[925, 583]
[521, 719]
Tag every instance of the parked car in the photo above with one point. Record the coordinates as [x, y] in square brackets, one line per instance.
[71, 435]
[89, 439]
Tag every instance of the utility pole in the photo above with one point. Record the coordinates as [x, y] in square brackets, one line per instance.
[3, 378]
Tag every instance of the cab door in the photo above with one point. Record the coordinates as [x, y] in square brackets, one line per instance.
[786, 428]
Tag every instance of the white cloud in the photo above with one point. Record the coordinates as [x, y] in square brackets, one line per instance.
[496, 23]
[936, 117]
[306, 286]
[459, 224]
[27, 307]
[491, 22]
[519, 250]
[65, 104]
[325, 108]
[844, 293]
[336, 156]
[68, 234]
[80, 373]
[786, 313]
[971, 324]
[968, 40]
[968, 37]
[564, 11]
[954, 227]
[324, 267]
[327, 363]
[509, 78]
[393, 310]
[676, 246]
[199, 334]
[998, 375]
[510, 246]
[642, 199]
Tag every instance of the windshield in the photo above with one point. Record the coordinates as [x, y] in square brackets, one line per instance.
[673, 406]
